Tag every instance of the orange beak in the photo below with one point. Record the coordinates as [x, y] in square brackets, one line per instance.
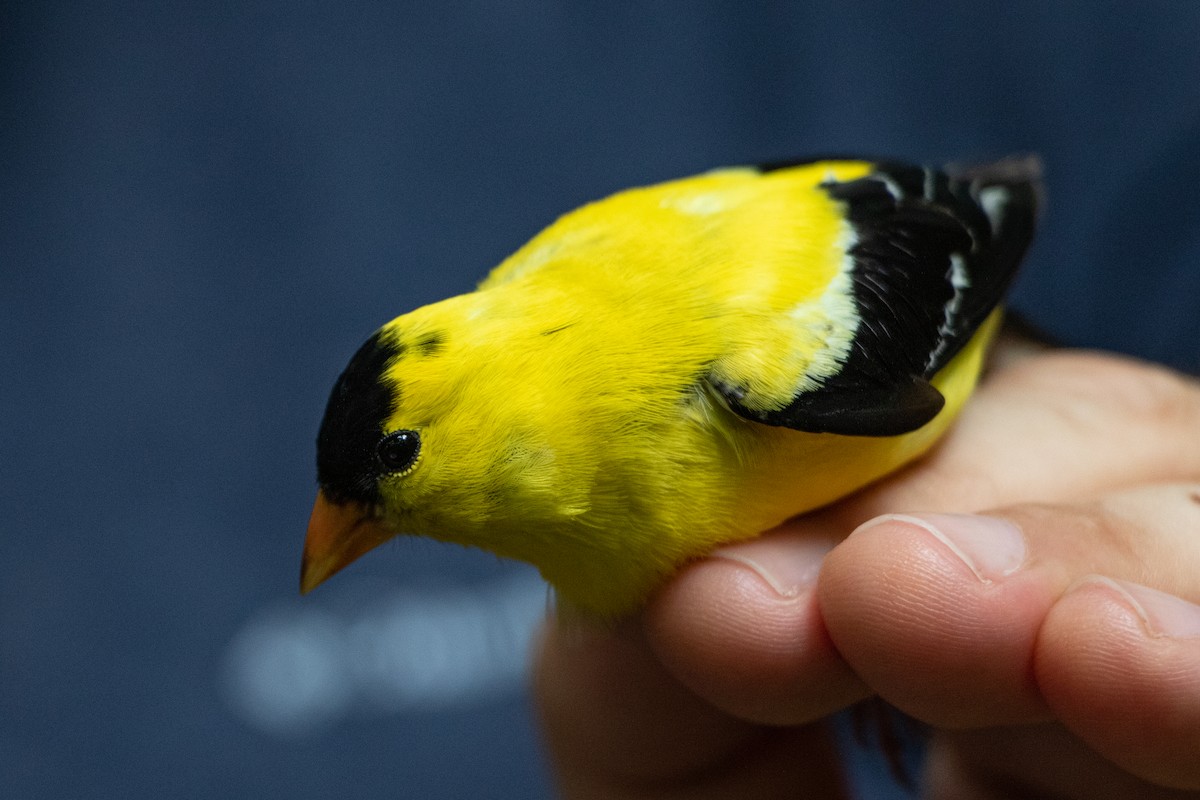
[337, 534]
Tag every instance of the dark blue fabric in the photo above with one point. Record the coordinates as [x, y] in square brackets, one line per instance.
[205, 207]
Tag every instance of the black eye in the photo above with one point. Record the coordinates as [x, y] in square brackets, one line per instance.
[398, 451]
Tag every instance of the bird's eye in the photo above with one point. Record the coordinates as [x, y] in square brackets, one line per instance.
[398, 451]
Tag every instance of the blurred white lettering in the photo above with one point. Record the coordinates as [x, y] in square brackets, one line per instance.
[292, 670]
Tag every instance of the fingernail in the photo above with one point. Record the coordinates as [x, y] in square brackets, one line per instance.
[1164, 615]
[991, 547]
[788, 565]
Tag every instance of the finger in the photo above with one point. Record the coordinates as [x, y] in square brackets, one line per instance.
[619, 726]
[1051, 428]
[943, 615]
[1119, 663]
[741, 628]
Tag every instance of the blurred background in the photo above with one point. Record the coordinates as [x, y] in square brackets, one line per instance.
[206, 206]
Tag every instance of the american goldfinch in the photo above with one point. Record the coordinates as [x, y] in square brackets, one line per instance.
[673, 368]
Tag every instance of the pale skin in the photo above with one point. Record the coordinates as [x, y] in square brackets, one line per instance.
[1060, 659]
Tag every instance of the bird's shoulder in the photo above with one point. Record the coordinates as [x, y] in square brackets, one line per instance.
[929, 256]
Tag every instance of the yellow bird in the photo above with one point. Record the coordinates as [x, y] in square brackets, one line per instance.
[674, 368]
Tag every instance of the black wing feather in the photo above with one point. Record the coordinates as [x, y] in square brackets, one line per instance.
[935, 252]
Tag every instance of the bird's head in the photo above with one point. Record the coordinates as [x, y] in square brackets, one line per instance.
[371, 444]
[428, 431]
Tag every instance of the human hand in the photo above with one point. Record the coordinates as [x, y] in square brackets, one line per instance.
[1038, 676]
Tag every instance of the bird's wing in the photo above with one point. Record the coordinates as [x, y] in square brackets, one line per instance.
[932, 254]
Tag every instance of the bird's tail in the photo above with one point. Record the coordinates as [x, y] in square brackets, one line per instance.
[1010, 193]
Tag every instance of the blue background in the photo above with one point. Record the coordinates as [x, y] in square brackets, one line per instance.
[205, 207]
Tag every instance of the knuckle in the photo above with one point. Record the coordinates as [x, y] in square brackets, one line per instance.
[1096, 389]
[1089, 537]
[1157, 394]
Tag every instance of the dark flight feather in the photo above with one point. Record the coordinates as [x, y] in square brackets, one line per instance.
[934, 253]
